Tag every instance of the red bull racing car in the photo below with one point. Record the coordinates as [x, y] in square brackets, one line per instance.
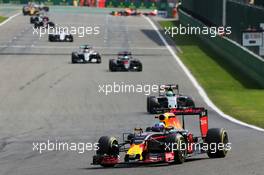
[166, 142]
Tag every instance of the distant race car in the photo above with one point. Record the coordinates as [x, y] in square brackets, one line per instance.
[85, 54]
[168, 99]
[32, 8]
[133, 12]
[42, 21]
[60, 36]
[125, 62]
[166, 142]
[35, 18]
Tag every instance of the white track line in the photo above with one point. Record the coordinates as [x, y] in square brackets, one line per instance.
[197, 85]
[9, 18]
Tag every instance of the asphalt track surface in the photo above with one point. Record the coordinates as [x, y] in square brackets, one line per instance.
[44, 97]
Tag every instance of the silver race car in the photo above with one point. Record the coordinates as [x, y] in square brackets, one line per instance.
[86, 54]
[60, 35]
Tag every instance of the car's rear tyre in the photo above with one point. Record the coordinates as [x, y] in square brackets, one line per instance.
[185, 102]
[151, 104]
[51, 25]
[32, 20]
[51, 39]
[215, 137]
[111, 66]
[140, 68]
[36, 25]
[73, 60]
[99, 60]
[70, 38]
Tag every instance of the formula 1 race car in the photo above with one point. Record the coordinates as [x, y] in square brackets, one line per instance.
[133, 12]
[35, 18]
[166, 142]
[168, 99]
[86, 54]
[32, 9]
[126, 12]
[42, 21]
[60, 36]
[125, 62]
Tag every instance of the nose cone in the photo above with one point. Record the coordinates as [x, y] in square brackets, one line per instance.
[135, 150]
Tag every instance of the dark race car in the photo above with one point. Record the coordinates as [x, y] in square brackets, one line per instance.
[86, 54]
[125, 62]
[133, 12]
[42, 21]
[35, 18]
[60, 36]
[166, 142]
[168, 99]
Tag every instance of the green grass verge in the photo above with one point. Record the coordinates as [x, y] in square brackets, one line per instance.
[233, 92]
[2, 18]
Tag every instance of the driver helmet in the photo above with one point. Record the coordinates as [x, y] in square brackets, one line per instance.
[169, 94]
[126, 57]
[159, 126]
[86, 50]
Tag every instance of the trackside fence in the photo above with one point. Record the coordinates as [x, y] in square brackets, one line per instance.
[248, 62]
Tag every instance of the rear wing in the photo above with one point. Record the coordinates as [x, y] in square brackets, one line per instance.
[201, 112]
[189, 111]
[168, 87]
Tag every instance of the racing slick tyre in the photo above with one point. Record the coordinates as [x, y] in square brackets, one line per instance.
[73, 59]
[177, 144]
[51, 25]
[185, 102]
[140, 68]
[70, 38]
[99, 60]
[51, 38]
[152, 104]
[32, 20]
[108, 145]
[25, 12]
[36, 25]
[111, 66]
[215, 137]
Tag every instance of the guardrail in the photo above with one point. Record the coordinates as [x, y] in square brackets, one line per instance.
[233, 53]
